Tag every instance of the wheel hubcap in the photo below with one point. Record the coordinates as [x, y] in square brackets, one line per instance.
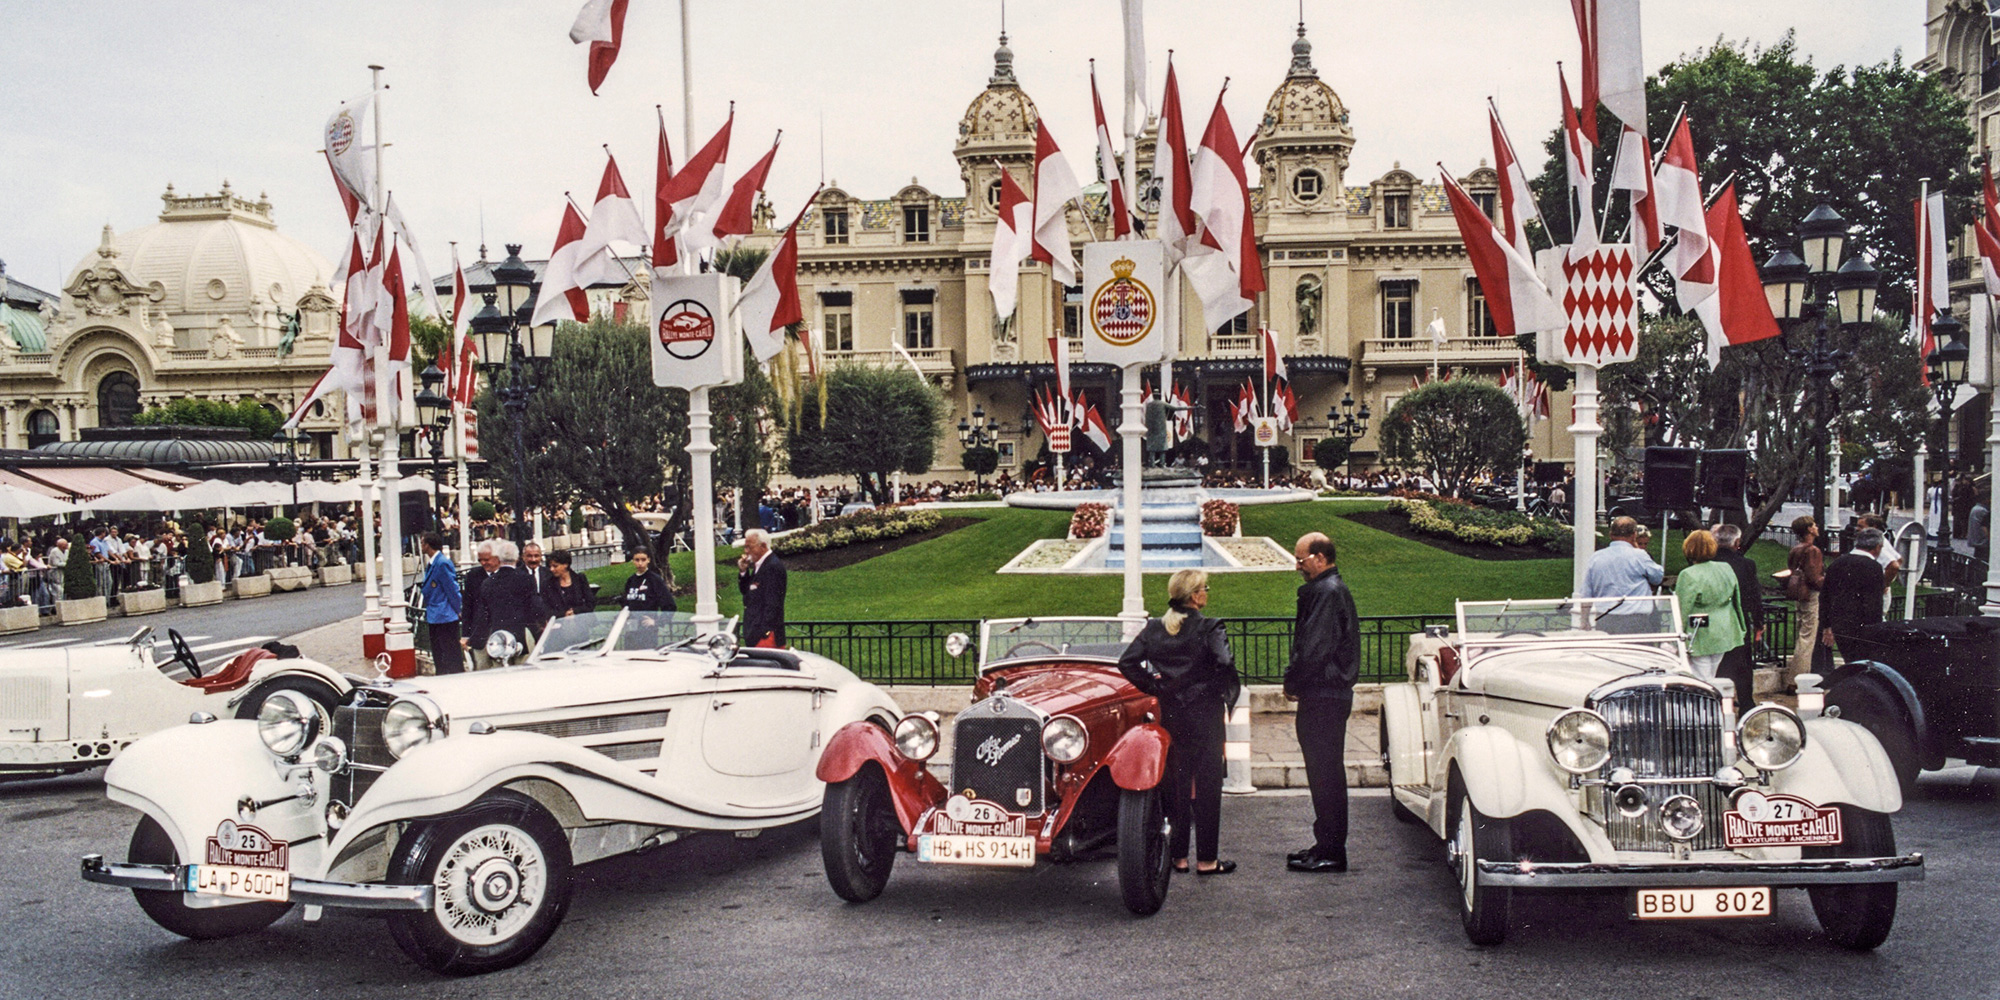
[1462, 854]
[490, 882]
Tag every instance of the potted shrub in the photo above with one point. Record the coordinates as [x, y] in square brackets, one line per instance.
[203, 587]
[81, 602]
[286, 577]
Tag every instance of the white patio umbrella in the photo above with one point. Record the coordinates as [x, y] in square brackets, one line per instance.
[315, 491]
[418, 484]
[208, 494]
[263, 493]
[27, 504]
[145, 498]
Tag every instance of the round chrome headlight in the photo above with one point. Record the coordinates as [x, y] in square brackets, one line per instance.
[721, 646]
[502, 645]
[1580, 741]
[1680, 817]
[288, 722]
[409, 724]
[1771, 737]
[330, 755]
[917, 737]
[1064, 739]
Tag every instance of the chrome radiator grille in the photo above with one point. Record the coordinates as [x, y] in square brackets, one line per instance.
[1664, 731]
[361, 729]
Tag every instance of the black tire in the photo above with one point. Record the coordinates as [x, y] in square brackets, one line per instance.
[152, 846]
[1857, 916]
[1396, 808]
[515, 836]
[1483, 909]
[1867, 704]
[317, 690]
[859, 835]
[1144, 870]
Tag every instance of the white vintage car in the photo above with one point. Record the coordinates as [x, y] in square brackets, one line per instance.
[1567, 744]
[458, 804]
[72, 708]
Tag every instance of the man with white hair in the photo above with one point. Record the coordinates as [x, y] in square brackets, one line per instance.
[760, 577]
[498, 598]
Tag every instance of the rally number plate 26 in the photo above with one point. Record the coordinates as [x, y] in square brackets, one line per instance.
[960, 849]
[266, 884]
[1701, 904]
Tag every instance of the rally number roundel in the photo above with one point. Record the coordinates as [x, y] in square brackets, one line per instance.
[1122, 311]
[686, 329]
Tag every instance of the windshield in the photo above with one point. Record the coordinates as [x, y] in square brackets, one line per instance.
[578, 633]
[646, 631]
[1006, 639]
[1484, 625]
[620, 631]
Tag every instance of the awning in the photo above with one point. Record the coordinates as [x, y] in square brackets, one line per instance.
[82, 483]
[32, 485]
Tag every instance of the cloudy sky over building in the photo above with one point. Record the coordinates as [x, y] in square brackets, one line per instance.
[489, 115]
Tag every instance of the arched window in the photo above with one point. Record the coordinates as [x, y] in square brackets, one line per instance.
[43, 428]
[117, 399]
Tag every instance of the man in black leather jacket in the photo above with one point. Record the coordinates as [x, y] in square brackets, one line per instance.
[1326, 658]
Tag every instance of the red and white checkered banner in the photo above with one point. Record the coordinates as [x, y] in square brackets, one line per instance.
[468, 433]
[1059, 440]
[1601, 299]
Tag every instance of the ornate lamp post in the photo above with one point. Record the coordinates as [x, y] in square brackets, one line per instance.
[1798, 288]
[285, 454]
[979, 432]
[507, 342]
[1349, 425]
[1946, 368]
[434, 412]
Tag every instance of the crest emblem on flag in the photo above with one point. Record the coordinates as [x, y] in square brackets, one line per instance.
[1601, 301]
[687, 329]
[1123, 310]
[340, 133]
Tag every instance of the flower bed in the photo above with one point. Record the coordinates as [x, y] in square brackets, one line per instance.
[1051, 554]
[1256, 553]
[1089, 520]
[1219, 518]
[1444, 518]
[861, 526]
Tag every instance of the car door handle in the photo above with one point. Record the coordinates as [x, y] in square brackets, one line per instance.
[719, 705]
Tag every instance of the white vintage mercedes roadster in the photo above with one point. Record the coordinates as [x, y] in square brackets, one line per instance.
[72, 708]
[1568, 744]
[459, 804]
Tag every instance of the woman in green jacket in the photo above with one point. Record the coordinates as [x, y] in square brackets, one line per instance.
[1710, 604]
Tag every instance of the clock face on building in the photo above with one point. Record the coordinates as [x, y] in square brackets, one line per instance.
[1149, 194]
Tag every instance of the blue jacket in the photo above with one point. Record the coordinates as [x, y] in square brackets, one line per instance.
[442, 601]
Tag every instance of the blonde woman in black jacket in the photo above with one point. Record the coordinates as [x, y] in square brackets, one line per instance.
[1182, 659]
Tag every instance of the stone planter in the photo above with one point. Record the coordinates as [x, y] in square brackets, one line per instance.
[600, 537]
[143, 602]
[194, 595]
[336, 576]
[252, 586]
[81, 611]
[289, 578]
[19, 618]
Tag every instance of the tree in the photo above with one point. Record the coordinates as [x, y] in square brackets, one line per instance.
[200, 560]
[980, 460]
[1331, 452]
[1455, 429]
[260, 420]
[79, 573]
[878, 421]
[430, 339]
[741, 421]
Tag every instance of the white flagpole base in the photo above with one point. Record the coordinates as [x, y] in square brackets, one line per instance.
[701, 493]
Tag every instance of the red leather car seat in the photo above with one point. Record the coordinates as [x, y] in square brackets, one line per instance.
[1448, 664]
[233, 674]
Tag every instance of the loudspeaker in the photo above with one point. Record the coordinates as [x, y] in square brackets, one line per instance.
[1725, 474]
[415, 513]
[1670, 478]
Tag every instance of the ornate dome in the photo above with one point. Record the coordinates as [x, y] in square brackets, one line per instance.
[1304, 107]
[1002, 114]
[215, 254]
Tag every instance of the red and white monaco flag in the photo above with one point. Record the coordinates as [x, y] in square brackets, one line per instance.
[1091, 423]
[1678, 185]
[770, 302]
[1933, 279]
[1515, 295]
[1013, 237]
[664, 254]
[1228, 280]
[602, 24]
[1632, 171]
[1517, 202]
[1107, 166]
[1177, 223]
[1987, 231]
[738, 215]
[1739, 312]
[1059, 353]
[614, 216]
[349, 150]
[691, 198]
[1274, 363]
[562, 296]
[1579, 152]
[1055, 188]
[1614, 70]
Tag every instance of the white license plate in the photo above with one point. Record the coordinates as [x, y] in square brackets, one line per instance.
[1701, 904]
[268, 884]
[959, 849]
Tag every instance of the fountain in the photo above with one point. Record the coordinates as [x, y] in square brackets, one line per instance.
[1170, 535]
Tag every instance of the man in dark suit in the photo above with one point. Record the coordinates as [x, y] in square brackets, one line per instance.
[1738, 664]
[1851, 598]
[505, 601]
[1326, 659]
[760, 576]
[540, 578]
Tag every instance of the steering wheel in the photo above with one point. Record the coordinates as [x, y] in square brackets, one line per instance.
[182, 654]
[1025, 643]
[1520, 631]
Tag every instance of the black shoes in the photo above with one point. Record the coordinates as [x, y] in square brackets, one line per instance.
[1307, 861]
[1221, 868]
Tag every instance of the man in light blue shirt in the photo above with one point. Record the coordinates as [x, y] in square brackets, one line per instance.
[1623, 569]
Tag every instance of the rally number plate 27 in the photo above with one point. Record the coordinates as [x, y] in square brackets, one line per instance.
[960, 849]
[1701, 904]
[266, 884]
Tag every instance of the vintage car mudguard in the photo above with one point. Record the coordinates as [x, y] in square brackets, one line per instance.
[1402, 711]
[190, 778]
[1904, 693]
[1505, 777]
[269, 670]
[911, 785]
[1842, 762]
[1139, 757]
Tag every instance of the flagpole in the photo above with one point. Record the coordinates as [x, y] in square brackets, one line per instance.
[1585, 430]
[1527, 424]
[397, 640]
[372, 624]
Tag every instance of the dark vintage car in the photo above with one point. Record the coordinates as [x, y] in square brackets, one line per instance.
[1929, 690]
[1058, 757]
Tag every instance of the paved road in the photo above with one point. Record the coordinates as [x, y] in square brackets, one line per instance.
[215, 632]
[720, 917]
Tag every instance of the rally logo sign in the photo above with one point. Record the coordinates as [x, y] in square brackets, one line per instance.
[1123, 309]
[340, 133]
[687, 329]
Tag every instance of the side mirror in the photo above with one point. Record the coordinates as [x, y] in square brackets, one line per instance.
[721, 646]
[1438, 631]
[956, 644]
[503, 646]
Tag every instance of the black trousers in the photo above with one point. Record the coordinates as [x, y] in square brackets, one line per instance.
[446, 657]
[1737, 666]
[1322, 728]
[1194, 765]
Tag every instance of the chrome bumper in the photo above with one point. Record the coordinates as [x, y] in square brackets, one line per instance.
[313, 892]
[1701, 874]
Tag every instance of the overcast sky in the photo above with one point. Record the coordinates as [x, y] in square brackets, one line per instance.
[488, 109]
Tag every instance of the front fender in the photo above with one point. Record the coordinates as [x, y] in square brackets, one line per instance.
[1842, 762]
[1402, 715]
[190, 778]
[1139, 757]
[300, 667]
[1904, 694]
[911, 785]
[1504, 777]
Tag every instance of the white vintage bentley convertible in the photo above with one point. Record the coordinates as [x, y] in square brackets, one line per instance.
[458, 804]
[73, 708]
[1567, 744]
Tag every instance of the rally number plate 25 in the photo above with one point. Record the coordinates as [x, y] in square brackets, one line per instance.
[960, 849]
[1701, 904]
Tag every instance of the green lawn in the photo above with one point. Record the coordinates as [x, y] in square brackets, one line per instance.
[953, 576]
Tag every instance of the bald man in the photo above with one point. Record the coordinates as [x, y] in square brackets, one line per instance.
[1326, 659]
